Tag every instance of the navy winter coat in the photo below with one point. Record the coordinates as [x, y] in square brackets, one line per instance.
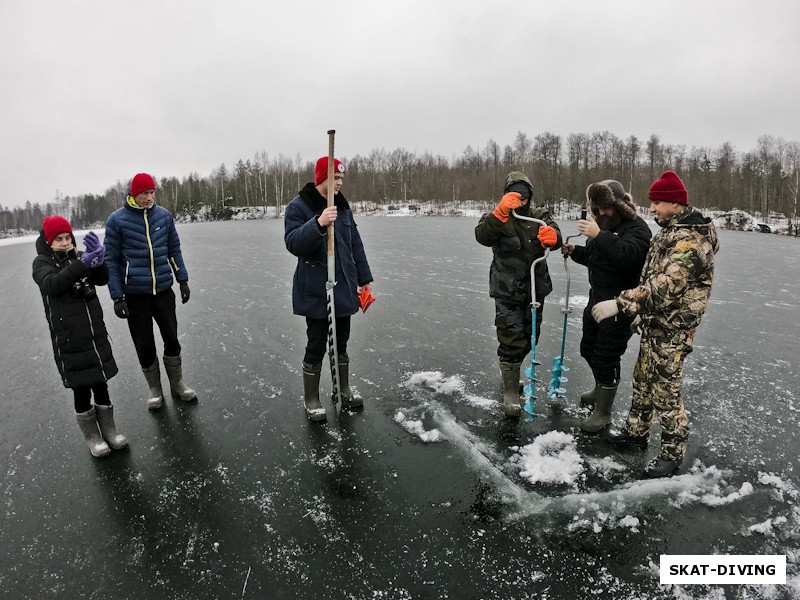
[309, 243]
[80, 342]
[142, 251]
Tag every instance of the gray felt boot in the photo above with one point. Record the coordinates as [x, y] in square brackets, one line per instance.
[87, 421]
[105, 419]
[174, 369]
[153, 376]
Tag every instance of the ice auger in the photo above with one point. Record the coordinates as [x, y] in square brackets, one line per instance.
[557, 378]
[530, 388]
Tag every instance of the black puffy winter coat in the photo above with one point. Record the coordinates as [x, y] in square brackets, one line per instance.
[80, 342]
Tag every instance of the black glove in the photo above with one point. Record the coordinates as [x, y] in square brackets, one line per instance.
[121, 308]
[184, 292]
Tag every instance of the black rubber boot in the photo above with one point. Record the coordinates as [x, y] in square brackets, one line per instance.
[349, 400]
[512, 404]
[620, 437]
[660, 467]
[589, 398]
[314, 409]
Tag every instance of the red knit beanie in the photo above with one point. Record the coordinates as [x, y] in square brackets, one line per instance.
[321, 170]
[142, 182]
[55, 225]
[668, 188]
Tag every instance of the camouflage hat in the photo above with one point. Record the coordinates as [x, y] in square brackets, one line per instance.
[517, 177]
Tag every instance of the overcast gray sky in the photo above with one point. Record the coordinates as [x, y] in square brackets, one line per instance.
[95, 91]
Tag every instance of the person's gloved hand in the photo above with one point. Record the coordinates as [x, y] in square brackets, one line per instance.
[636, 325]
[184, 292]
[94, 258]
[121, 308]
[508, 203]
[567, 249]
[605, 310]
[547, 235]
[91, 241]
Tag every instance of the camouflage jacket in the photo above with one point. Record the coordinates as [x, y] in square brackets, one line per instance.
[676, 278]
[515, 247]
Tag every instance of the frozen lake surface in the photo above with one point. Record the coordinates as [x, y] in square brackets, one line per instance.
[429, 492]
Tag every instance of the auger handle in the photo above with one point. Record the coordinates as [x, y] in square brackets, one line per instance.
[523, 218]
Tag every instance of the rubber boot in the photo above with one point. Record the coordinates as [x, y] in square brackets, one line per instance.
[349, 400]
[174, 369]
[87, 421]
[512, 405]
[601, 415]
[153, 376]
[105, 419]
[589, 398]
[314, 409]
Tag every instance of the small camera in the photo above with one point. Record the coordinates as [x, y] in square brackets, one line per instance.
[83, 289]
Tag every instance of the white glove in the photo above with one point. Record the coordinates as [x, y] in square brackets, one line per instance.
[604, 310]
[636, 325]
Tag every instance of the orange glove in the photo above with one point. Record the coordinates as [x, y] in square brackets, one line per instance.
[547, 235]
[508, 203]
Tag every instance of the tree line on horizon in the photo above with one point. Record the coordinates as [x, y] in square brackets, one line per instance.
[763, 181]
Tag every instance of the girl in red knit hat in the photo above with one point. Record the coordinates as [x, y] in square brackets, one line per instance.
[67, 278]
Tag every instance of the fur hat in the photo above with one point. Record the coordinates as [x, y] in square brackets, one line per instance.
[54, 226]
[321, 170]
[610, 193]
[142, 182]
[669, 188]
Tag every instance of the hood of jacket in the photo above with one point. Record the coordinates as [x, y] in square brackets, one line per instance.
[518, 177]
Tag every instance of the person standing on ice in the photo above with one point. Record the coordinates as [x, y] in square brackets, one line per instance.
[67, 278]
[306, 223]
[515, 244]
[144, 254]
[618, 241]
[668, 304]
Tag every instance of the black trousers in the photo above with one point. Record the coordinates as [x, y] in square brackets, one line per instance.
[83, 396]
[317, 334]
[604, 343]
[142, 311]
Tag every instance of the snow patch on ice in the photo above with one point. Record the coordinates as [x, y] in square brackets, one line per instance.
[782, 487]
[766, 528]
[416, 427]
[715, 499]
[436, 381]
[452, 386]
[552, 458]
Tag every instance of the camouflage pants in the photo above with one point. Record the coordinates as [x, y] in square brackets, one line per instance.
[657, 390]
[513, 324]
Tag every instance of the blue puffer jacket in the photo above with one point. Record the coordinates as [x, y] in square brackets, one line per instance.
[309, 244]
[142, 251]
